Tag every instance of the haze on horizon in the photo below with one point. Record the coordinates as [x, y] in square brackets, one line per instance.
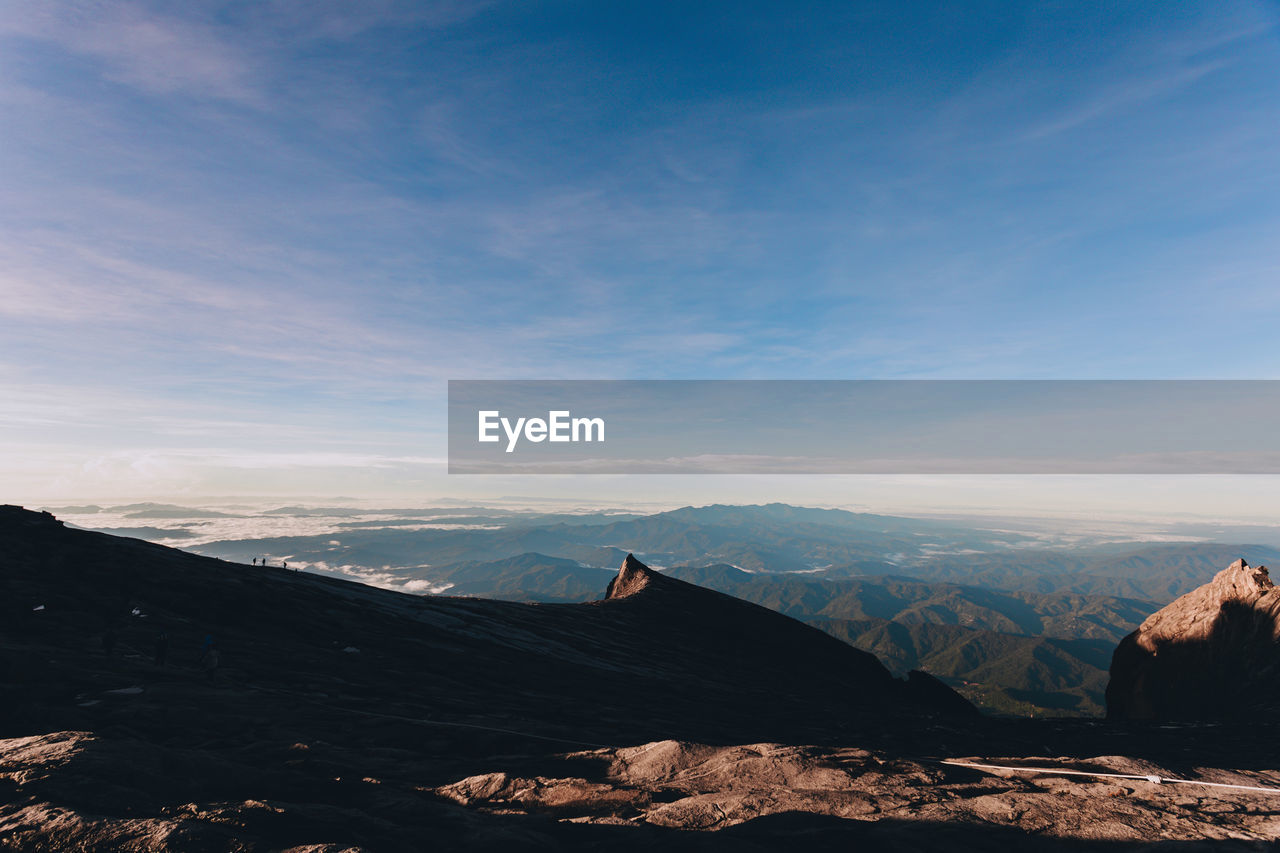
[244, 246]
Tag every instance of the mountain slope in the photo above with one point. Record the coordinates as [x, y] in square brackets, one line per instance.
[676, 658]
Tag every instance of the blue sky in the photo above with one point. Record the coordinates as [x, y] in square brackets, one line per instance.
[242, 246]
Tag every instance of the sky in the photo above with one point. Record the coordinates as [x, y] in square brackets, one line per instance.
[243, 246]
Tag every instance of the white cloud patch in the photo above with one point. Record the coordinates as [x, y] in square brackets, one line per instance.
[158, 54]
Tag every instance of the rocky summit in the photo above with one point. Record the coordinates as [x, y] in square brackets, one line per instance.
[153, 700]
[1212, 654]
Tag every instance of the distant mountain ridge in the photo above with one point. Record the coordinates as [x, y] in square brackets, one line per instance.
[1158, 572]
[911, 600]
[774, 538]
[525, 577]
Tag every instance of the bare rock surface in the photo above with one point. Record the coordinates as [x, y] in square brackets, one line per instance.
[1212, 654]
[684, 785]
[633, 577]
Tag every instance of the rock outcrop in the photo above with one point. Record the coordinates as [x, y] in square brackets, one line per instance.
[633, 577]
[1213, 654]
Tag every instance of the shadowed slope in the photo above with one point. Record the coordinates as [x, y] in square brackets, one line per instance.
[671, 659]
[756, 645]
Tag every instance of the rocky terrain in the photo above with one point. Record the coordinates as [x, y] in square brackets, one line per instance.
[665, 715]
[1212, 654]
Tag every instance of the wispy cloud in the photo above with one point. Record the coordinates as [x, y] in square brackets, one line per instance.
[157, 53]
[1124, 95]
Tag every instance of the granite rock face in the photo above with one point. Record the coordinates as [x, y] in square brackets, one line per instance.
[879, 797]
[633, 577]
[1213, 654]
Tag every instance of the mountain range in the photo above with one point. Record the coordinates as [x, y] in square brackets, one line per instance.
[1036, 624]
[768, 539]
